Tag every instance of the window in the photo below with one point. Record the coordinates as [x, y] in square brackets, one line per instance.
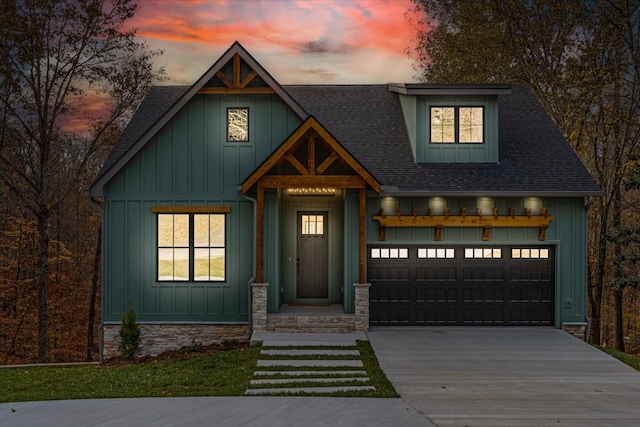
[450, 125]
[191, 247]
[491, 253]
[312, 225]
[530, 253]
[394, 253]
[238, 124]
[436, 253]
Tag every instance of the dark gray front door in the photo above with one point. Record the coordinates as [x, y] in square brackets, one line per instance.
[312, 255]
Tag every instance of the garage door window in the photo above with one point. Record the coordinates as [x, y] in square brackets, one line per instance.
[389, 253]
[436, 253]
[530, 253]
[483, 253]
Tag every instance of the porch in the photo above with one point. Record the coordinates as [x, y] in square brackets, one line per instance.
[329, 318]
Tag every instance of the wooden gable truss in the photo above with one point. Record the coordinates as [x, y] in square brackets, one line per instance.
[236, 77]
[299, 163]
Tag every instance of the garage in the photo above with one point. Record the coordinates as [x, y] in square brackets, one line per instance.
[504, 285]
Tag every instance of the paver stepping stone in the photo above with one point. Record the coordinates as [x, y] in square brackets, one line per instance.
[306, 373]
[307, 380]
[302, 363]
[304, 352]
[316, 390]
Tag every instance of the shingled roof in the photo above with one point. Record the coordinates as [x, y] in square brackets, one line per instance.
[534, 158]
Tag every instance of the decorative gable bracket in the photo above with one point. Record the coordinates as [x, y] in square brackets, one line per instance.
[463, 220]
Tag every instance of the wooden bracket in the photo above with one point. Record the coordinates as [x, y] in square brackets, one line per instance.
[437, 235]
[486, 233]
[485, 222]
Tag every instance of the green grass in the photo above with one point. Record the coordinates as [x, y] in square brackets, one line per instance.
[377, 378]
[226, 373]
[632, 360]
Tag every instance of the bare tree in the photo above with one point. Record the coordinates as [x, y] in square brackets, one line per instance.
[58, 58]
[581, 59]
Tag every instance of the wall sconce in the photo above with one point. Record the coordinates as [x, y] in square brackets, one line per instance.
[389, 205]
[437, 205]
[486, 204]
[533, 203]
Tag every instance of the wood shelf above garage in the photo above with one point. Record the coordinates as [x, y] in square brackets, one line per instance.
[486, 222]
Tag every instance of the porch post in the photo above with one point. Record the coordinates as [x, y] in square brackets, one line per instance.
[260, 235]
[362, 234]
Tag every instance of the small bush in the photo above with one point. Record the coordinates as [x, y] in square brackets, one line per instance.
[129, 345]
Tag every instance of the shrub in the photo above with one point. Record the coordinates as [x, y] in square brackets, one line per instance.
[129, 345]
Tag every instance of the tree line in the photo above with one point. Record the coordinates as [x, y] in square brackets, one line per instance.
[582, 61]
[59, 58]
[58, 61]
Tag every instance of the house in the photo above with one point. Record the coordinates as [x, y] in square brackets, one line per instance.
[238, 204]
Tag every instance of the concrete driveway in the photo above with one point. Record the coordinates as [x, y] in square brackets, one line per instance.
[479, 376]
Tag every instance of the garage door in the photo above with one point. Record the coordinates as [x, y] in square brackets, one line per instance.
[461, 285]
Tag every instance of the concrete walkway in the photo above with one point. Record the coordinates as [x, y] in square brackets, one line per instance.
[507, 377]
[450, 376]
[212, 411]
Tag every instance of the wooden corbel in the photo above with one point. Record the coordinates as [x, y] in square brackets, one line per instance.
[486, 233]
[542, 232]
[437, 233]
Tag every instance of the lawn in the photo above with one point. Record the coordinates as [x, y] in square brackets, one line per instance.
[224, 373]
[195, 372]
[632, 360]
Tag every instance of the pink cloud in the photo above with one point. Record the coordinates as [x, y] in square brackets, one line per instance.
[279, 31]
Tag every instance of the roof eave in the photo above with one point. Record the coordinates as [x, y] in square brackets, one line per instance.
[97, 188]
[388, 191]
[449, 89]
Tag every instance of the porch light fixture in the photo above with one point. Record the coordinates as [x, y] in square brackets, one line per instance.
[533, 203]
[312, 191]
[486, 204]
[437, 205]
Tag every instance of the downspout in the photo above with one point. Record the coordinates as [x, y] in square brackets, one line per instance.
[254, 256]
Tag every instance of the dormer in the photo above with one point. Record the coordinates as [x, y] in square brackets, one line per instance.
[452, 123]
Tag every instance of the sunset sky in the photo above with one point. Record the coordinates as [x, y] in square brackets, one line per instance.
[297, 41]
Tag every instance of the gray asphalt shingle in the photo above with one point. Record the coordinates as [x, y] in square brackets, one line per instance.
[368, 121]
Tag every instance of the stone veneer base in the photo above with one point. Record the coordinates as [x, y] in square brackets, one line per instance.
[158, 338]
[577, 329]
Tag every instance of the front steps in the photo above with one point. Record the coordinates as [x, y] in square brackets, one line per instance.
[308, 364]
[329, 319]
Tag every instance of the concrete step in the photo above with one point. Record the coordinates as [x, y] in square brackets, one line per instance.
[316, 352]
[307, 373]
[311, 363]
[315, 328]
[281, 381]
[297, 390]
[306, 339]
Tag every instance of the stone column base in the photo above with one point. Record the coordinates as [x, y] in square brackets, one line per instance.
[259, 306]
[362, 306]
[577, 329]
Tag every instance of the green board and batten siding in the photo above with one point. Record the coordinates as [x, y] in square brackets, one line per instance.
[416, 115]
[567, 232]
[189, 163]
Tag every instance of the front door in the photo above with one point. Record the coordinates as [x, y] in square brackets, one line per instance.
[312, 255]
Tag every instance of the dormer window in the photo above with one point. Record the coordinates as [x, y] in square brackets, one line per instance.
[462, 125]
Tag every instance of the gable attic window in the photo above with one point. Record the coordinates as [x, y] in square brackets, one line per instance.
[461, 125]
[238, 124]
[191, 245]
